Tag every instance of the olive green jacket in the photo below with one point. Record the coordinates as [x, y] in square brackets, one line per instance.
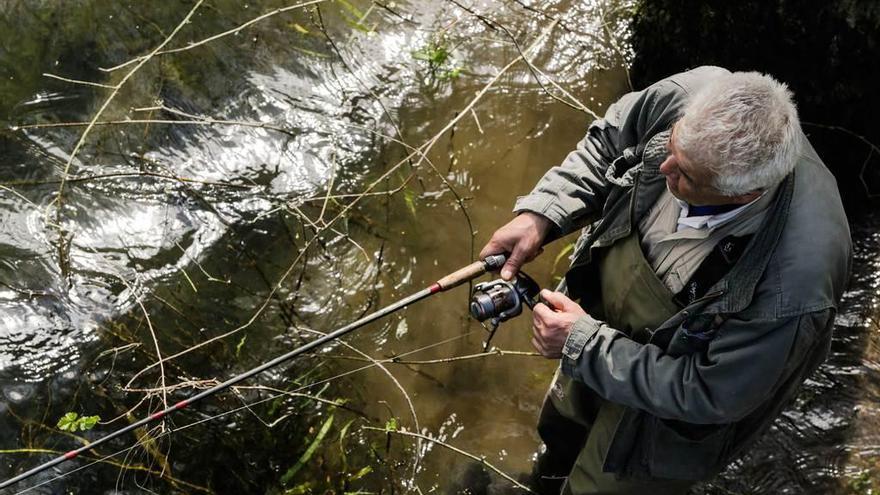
[715, 375]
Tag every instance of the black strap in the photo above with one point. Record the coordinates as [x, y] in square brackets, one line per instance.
[724, 255]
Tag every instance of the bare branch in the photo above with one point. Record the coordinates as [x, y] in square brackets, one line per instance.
[481, 459]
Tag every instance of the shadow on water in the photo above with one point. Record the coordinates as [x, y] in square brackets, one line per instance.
[260, 188]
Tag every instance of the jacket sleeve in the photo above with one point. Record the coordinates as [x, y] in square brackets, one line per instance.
[571, 194]
[740, 369]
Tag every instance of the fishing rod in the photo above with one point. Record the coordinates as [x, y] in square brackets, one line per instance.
[454, 279]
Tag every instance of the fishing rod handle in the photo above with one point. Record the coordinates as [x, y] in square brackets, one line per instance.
[471, 271]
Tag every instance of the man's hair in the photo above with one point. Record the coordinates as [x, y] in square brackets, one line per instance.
[744, 127]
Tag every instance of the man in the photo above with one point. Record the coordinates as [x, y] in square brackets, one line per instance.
[715, 253]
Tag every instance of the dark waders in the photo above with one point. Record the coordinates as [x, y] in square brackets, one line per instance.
[576, 425]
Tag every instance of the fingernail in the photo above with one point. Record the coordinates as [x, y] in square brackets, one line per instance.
[505, 274]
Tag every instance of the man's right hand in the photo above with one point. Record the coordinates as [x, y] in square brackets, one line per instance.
[522, 237]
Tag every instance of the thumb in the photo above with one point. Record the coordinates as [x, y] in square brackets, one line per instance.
[557, 300]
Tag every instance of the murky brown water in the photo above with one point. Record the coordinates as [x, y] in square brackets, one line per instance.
[234, 246]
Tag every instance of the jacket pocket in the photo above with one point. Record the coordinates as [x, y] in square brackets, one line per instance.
[684, 451]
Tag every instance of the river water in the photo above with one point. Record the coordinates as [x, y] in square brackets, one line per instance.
[240, 195]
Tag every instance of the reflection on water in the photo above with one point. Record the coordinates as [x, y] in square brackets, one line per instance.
[250, 231]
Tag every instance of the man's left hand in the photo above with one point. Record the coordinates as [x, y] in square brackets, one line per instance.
[552, 322]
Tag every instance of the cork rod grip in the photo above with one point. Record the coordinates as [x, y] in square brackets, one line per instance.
[462, 275]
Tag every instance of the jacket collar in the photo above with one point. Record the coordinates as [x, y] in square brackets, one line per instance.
[740, 282]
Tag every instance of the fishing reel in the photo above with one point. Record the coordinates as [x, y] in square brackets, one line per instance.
[500, 300]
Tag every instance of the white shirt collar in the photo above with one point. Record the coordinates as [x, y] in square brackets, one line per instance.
[707, 221]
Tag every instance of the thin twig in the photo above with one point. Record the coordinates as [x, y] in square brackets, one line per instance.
[77, 81]
[329, 187]
[209, 39]
[390, 192]
[481, 459]
[140, 303]
[477, 121]
[199, 265]
[489, 353]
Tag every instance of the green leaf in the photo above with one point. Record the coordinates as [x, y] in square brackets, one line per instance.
[351, 9]
[304, 458]
[71, 422]
[299, 28]
[300, 489]
[360, 474]
[391, 425]
[68, 422]
[310, 52]
[88, 422]
[439, 55]
[273, 406]
[421, 55]
[360, 27]
[565, 251]
[239, 346]
[450, 74]
[435, 55]
[342, 434]
[409, 196]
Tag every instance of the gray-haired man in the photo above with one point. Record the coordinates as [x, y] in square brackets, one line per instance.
[707, 280]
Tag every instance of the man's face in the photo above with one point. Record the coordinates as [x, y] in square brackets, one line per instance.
[692, 182]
